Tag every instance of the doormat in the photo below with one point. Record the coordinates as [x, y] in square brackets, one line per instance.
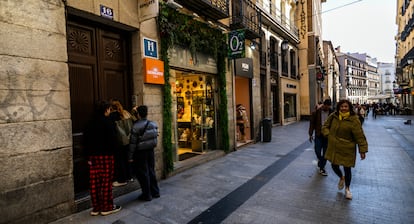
[186, 155]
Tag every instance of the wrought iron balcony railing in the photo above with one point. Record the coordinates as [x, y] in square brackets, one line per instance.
[211, 9]
[245, 15]
[272, 14]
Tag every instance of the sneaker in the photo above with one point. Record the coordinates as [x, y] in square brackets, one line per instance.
[117, 184]
[93, 213]
[155, 195]
[348, 194]
[323, 172]
[116, 209]
[341, 183]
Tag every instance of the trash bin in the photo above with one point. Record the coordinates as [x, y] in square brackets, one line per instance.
[267, 130]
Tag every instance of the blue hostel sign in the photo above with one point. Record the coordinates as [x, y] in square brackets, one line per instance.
[150, 48]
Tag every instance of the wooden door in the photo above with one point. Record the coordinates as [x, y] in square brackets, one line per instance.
[98, 70]
[275, 104]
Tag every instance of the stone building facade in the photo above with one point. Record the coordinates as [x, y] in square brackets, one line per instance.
[35, 125]
[404, 56]
[57, 58]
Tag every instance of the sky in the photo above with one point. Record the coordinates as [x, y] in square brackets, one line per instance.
[363, 26]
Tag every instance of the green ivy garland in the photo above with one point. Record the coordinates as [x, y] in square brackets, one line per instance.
[180, 29]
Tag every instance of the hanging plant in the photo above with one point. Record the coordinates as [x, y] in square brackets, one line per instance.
[179, 29]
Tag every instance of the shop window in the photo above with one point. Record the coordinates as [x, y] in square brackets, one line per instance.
[289, 107]
[195, 114]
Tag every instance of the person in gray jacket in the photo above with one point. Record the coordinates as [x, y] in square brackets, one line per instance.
[143, 140]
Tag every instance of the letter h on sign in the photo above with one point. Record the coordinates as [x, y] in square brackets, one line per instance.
[150, 48]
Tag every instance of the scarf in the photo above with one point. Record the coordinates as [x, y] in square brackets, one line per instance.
[343, 115]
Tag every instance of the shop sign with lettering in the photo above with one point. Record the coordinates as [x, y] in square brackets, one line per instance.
[236, 47]
[244, 67]
[147, 9]
[183, 58]
[153, 71]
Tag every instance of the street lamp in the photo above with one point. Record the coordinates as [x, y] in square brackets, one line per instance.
[253, 45]
[285, 45]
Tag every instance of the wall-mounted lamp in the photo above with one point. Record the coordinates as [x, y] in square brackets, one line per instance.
[253, 45]
[285, 45]
[410, 61]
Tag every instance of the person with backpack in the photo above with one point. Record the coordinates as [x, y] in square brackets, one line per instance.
[123, 120]
[143, 140]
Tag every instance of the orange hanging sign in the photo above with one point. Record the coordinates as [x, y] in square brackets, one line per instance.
[153, 71]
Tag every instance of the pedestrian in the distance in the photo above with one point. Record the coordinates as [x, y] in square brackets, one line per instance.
[100, 145]
[317, 119]
[143, 140]
[345, 135]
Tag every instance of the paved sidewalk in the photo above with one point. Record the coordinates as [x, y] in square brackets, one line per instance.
[277, 182]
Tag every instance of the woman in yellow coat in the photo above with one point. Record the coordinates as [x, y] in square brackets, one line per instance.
[344, 132]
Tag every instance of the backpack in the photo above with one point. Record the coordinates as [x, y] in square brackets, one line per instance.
[123, 128]
[147, 139]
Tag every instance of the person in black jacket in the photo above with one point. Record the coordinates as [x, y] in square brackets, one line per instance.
[143, 140]
[317, 119]
[100, 144]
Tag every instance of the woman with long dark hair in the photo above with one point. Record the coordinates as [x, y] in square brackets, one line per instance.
[100, 145]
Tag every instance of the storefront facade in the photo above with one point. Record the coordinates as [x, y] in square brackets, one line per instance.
[194, 80]
[243, 68]
[283, 78]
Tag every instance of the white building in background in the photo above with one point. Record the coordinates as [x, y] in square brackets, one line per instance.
[353, 77]
[387, 73]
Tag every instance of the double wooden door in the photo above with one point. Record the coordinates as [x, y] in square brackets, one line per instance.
[99, 69]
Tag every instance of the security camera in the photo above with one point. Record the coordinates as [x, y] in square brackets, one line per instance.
[174, 4]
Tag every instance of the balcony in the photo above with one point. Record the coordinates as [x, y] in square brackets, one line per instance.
[404, 82]
[405, 60]
[212, 9]
[272, 16]
[245, 15]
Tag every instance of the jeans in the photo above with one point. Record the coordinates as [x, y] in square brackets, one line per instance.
[144, 162]
[321, 144]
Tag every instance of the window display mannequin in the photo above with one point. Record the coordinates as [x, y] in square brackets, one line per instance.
[242, 122]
